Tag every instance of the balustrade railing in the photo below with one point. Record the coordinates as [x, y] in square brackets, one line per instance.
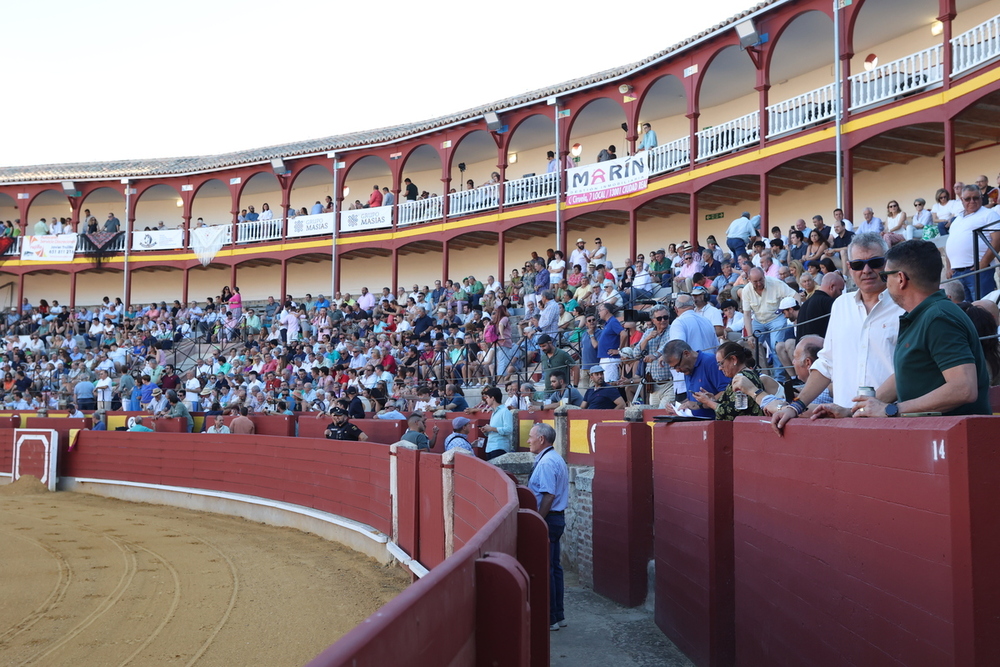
[420, 210]
[729, 136]
[816, 106]
[259, 230]
[900, 77]
[15, 248]
[976, 46]
[471, 201]
[669, 156]
[531, 188]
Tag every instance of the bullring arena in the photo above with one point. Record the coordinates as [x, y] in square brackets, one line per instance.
[860, 542]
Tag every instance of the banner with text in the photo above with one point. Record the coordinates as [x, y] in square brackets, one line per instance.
[51, 248]
[604, 180]
[159, 239]
[366, 218]
[311, 225]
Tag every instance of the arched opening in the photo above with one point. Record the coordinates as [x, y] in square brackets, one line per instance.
[160, 203]
[363, 176]
[530, 141]
[908, 165]
[260, 199]
[103, 204]
[259, 278]
[423, 169]
[664, 107]
[475, 176]
[596, 127]
[802, 74]
[49, 204]
[8, 209]
[312, 184]
[728, 104]
[211, 205]
[155, 284]
[47, 284]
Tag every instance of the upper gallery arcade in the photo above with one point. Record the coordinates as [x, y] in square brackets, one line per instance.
[745, 114]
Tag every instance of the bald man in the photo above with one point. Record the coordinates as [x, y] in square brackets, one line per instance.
[814, 316]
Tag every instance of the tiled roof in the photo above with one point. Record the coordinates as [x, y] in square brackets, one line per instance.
[183, 165]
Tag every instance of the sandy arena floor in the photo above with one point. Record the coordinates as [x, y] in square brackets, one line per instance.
[88, 581]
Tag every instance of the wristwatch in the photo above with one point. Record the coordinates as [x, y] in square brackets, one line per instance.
[758, 393]
[892, 410]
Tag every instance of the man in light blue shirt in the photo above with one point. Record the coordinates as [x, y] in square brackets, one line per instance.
[648, 139]
[390, 412]
[549, 482]
[317, 208]
[500, 432]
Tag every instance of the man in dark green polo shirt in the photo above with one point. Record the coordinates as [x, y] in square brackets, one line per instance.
[553, 359]
[660, 269]
[939, 363]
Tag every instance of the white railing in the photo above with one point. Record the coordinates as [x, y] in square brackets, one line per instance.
[975, 46]
[420, 210]
[729, 136]
[816, 106]
[471, 201]
[669, 156]
[258, 230]
[906, 75]
[531, 188]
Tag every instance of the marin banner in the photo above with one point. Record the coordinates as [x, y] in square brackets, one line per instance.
[604, 180]
[50, 248]
[366, 218]
[311, 225]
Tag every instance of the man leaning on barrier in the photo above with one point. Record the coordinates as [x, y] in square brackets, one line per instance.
[861, 337]
[938, 360]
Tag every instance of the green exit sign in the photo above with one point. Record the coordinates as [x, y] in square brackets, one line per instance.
[715, 216]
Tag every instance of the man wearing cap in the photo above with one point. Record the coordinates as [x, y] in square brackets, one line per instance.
[500, 430]
[416, 432]
[342, 429]
[704, 307]
[553, 359]
[600, 396]
[158, 402]
[785, 348]
[458, 439]
[580, 256]
[356, 407]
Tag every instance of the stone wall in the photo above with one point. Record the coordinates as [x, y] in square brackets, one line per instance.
[578, 540]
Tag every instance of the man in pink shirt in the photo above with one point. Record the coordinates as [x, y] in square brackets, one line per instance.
[375, 198]
[689, 266]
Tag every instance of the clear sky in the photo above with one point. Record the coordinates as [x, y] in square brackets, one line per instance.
[105, 80]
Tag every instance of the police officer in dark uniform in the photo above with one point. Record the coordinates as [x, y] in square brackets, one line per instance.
[342, 429]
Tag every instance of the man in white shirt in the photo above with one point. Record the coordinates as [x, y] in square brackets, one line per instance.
[761, 299]
[704, 307]
[580, 256]
[600, 256]
[959, 250]
[871, 224]
[861, 337]
[104, 388]
[192, 387]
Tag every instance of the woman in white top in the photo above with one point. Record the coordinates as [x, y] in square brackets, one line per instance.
[921, 220]
[556, 268]
[265, 213]
[943, 211]
[895, 224]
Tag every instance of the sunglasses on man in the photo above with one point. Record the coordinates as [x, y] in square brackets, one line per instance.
[875, 263]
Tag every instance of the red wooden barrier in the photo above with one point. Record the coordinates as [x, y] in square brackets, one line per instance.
[167, 424]
[6, 450]
[867, 542]
[430, 523]
[623, 511]
[381, 431]
[693, 473]
[280, 425]
[446, 429]
[408, 500]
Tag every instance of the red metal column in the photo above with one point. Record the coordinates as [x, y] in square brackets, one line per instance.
[949, 154]
[693, 205]
[762, 102]
[395, 270]
[501, 256]
[444, 264]
[946, 16]
[765, 222]
[848, 183]
[284, 281]
[236, 211]
[693, 134]
[72, 290]
[184, 286]
[286, 202]
[633, 233]
[232, 276]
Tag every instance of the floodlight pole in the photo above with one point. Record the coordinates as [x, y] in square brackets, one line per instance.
[128, 239]
[336, 227]
[559, 184]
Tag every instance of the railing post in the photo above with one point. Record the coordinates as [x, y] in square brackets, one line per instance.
[448, 500]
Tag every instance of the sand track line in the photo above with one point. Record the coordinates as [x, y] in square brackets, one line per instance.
[56, 596]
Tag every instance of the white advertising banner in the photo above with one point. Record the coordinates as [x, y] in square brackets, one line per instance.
[311, 225]
[160, 239]
[366, 218]
[604, 180]
[51, 248]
